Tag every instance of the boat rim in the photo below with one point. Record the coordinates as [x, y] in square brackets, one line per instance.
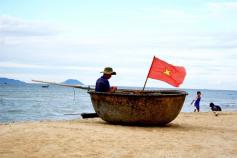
[128, 92]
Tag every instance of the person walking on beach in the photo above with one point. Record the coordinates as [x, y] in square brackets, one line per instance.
[197, 102]
[102, 84]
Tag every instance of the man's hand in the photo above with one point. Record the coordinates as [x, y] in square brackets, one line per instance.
[113, 89]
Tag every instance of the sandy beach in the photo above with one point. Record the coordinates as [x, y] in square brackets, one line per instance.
[189, 135]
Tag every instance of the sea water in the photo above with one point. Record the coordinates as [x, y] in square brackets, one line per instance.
[31, 102]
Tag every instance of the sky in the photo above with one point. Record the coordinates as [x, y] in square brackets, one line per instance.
[57, 40]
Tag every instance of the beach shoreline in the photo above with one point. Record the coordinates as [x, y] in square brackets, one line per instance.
[189, 135]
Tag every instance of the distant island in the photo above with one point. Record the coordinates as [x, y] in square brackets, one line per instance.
[72, 82]
[9, 81]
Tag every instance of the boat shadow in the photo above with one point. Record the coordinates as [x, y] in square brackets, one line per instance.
[169, 125]
[177, 127]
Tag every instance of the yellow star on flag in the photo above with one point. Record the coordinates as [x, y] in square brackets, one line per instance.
[167, 72]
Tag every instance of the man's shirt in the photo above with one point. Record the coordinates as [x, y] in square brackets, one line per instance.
[102, 85]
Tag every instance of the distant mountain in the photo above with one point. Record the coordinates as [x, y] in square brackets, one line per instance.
[10, 81]
[73, 82]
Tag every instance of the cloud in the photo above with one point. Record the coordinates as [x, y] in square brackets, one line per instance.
[221, 6]
[31, 49]
[17, 65]
[16, 27]
[222, 11]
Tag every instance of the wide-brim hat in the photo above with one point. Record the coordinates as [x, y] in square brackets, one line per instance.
[108, 71]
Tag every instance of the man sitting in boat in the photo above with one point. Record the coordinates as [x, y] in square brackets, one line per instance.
[102, 84]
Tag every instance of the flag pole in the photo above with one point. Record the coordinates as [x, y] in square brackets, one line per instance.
[148, 74]
[144, 84]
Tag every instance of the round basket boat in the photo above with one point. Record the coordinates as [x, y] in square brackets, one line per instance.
[138, 107]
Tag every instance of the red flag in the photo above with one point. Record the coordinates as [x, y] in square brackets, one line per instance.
[161, 70]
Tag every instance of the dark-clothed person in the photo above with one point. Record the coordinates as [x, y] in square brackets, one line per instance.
[102, 84]
[215, 107]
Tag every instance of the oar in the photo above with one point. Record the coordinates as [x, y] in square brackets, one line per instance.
[85, 115]
[65, 85]
[89, 115]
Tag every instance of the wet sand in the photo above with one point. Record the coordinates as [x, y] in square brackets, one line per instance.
[189, 135]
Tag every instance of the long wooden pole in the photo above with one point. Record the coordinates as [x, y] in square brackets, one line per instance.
[148, 74]
[65, 85]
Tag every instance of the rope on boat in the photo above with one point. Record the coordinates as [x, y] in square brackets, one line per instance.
[74, 94]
